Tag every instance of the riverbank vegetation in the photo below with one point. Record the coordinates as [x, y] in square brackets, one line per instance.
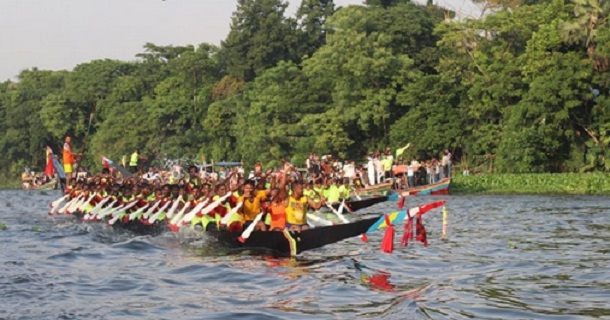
[524, 89]
[540, 183]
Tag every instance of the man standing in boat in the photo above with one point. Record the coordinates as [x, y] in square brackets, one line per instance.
[133, 161]
[68, 159]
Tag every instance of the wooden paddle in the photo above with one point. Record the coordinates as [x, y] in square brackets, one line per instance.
[205, 210]
[134, 214]
[180, 214]
[57, 202]
[155, 217]
[337, 213]
[246, 234]
[95, 209]
[174, 207]
[228, 216]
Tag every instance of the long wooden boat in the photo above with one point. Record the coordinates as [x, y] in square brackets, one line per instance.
[441, 187]
[287, 243]
[47, 186]
[378, 189]
[355, 204]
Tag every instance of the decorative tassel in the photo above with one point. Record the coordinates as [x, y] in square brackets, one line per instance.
[364, 238]
[420, 231]
[408, 235]
[401, 203]
[444, 223]
[387, 244]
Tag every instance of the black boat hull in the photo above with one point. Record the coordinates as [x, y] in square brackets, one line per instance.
[356, 205]
[293, 243]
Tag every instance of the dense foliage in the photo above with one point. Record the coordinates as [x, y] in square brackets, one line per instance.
[540, 183]
[523, 89]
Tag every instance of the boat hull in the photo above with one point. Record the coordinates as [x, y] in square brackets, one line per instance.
[51, 185]
[292, 243]
[355, 204]
[439, 188]
[379, 189]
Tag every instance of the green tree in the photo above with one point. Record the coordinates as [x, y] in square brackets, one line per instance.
[260, 36]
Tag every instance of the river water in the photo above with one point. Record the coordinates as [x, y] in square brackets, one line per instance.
[505, 257]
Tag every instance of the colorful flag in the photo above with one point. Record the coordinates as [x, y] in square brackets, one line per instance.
[402, 150]
[49, 171]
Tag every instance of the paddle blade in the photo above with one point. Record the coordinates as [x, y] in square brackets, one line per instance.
[173, 227]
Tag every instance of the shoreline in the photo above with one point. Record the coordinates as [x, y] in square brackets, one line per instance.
[532, 184]
[505, 184]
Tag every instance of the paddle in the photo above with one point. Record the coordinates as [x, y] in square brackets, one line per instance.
[337, 213]
[320, 220]
[122, 212]
[70, 208]
[134, 214]
[155, 217]
[95, 209]
[356, 194]
[206, 210]
[180, 214]
[101, 212]
[57, 202]
[67, 205]
[189, 216]
[84, 204]
[246, 234]
[228, 216]
[109, 210]
[149, 211]
[170, 213]
[58, 207]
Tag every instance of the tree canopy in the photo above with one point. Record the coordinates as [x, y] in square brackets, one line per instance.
[525, 88]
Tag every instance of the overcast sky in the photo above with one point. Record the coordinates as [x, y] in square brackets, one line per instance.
[59, 34]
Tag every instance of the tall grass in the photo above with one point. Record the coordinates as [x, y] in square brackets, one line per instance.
[543, 183]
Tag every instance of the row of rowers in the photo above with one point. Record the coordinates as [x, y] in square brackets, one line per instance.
[284, 204]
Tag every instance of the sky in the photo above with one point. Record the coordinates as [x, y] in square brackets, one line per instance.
[60, 34]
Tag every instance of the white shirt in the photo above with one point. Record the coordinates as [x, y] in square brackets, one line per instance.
[348, 170]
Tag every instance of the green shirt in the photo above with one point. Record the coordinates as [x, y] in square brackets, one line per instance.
[333, 194]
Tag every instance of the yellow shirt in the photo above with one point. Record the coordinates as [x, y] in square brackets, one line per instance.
[296, 210]
[252, 208]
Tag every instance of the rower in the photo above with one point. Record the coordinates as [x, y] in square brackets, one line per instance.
[193, 179]
[252, 205]
[277, 210]
[297, 204]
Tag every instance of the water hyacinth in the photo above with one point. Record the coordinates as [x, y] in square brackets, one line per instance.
[540, 183]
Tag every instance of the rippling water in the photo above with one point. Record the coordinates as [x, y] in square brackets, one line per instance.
[506, 257]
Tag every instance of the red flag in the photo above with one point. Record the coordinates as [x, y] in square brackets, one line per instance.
[105, 162]
[401, 203]
[408, 235]
[50, 169]
[420, 231]
[387, 244]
